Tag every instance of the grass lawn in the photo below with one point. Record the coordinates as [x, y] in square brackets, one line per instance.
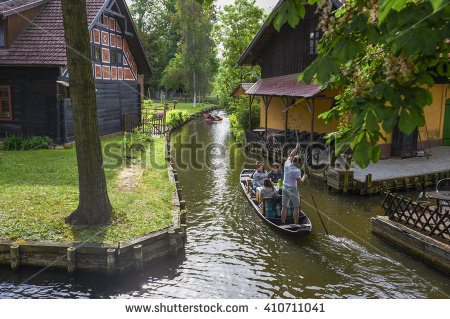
[39, 188]
[187, 106]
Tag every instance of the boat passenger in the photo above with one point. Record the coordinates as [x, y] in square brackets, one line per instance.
[292, 178]
[210, 117]
[259, 175]
[275, 174]
[268, 190]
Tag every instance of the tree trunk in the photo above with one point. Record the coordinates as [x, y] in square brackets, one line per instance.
[94, 207]
[195, 93]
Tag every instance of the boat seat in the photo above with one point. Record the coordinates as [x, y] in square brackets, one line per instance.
[275, 212]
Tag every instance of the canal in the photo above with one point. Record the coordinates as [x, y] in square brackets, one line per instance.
[232, 253]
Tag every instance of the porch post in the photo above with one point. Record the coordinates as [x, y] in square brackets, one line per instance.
[266, 101]
[250, 112]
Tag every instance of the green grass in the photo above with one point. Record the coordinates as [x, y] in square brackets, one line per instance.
[187, 106]
[39, 188]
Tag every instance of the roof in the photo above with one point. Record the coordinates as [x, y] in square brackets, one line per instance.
[42, 42]
[262, 37]
[285, 85]
[244, 86]
[8, 7]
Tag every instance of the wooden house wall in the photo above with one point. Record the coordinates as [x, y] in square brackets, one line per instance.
[114, 99]
[33, 99]
[16, 23]
[284, 53]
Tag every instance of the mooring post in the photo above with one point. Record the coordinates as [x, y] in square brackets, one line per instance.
[345, 181]
[179, 192]
[175, 176]
[407, 183]
[111, 261]
[183, 217]
[368, 183]
[71, 259]
[138, 258]
[183, 231]
[182, 205]
[15, 256]
[417, 182]
[173, 242]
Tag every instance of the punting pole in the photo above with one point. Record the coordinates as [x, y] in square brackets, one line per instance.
[312, 197]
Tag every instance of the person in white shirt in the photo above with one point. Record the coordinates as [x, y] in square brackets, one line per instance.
[292, 178]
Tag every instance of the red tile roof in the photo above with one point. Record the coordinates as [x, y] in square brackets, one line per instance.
[8, 7]
[42, 42]
[286, 85]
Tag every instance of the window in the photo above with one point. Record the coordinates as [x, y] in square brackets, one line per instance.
[5, 103]
[119, 57]
[2, 35]
[113, 56]
[314, 37]
[97, 54]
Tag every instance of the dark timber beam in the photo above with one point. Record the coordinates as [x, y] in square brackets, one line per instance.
[251, 97]
[266, 100]
[114, 13]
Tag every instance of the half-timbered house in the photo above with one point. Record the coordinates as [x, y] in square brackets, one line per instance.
[35, 81]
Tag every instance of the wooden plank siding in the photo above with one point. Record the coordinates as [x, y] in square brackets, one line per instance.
[114, 98]
[33, 100]
[284, 53]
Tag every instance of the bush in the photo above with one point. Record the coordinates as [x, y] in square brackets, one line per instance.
[239, 117]
[176, 116]
[22, 143]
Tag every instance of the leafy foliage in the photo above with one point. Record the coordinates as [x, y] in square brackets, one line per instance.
[237, 24]
[384, 55]
[22, 143]
[176, 117]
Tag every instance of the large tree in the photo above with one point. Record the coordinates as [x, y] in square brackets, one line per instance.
[94, 207]
[385, 55]
[158, 29]
[197, 46]
[237, 25]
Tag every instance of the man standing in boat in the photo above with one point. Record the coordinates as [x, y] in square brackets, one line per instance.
[292, 178]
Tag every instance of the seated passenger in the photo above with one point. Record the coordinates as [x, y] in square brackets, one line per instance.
[267, 190]
[259, 175]
[275, 174]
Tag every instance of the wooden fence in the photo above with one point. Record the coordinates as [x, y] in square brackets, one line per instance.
[421, 216]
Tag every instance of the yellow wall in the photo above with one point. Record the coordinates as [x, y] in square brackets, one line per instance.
[299, 116]
[434, 116]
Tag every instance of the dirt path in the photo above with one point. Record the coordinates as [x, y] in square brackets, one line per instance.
[129, 178]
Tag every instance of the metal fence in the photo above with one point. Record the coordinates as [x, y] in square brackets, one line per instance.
[419, 215]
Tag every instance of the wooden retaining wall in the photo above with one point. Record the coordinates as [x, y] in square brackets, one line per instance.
[421, 246]
[335, 180]
[131, 255]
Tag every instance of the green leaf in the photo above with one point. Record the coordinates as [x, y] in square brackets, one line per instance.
[423, 97]
[406, 124]
[310, 71]
[327, 67]
[293, 17]
[301, 10]
[436, 4]
[347, 49]
[387, 5]
[281, 18]
[390, 122]
[357, 121]
[361, 153]
[371, 121]
[375, 153]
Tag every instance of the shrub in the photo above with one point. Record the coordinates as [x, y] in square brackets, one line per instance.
[22, 143]
[176, 116]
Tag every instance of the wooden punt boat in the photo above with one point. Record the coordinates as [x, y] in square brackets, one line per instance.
[304, 225]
